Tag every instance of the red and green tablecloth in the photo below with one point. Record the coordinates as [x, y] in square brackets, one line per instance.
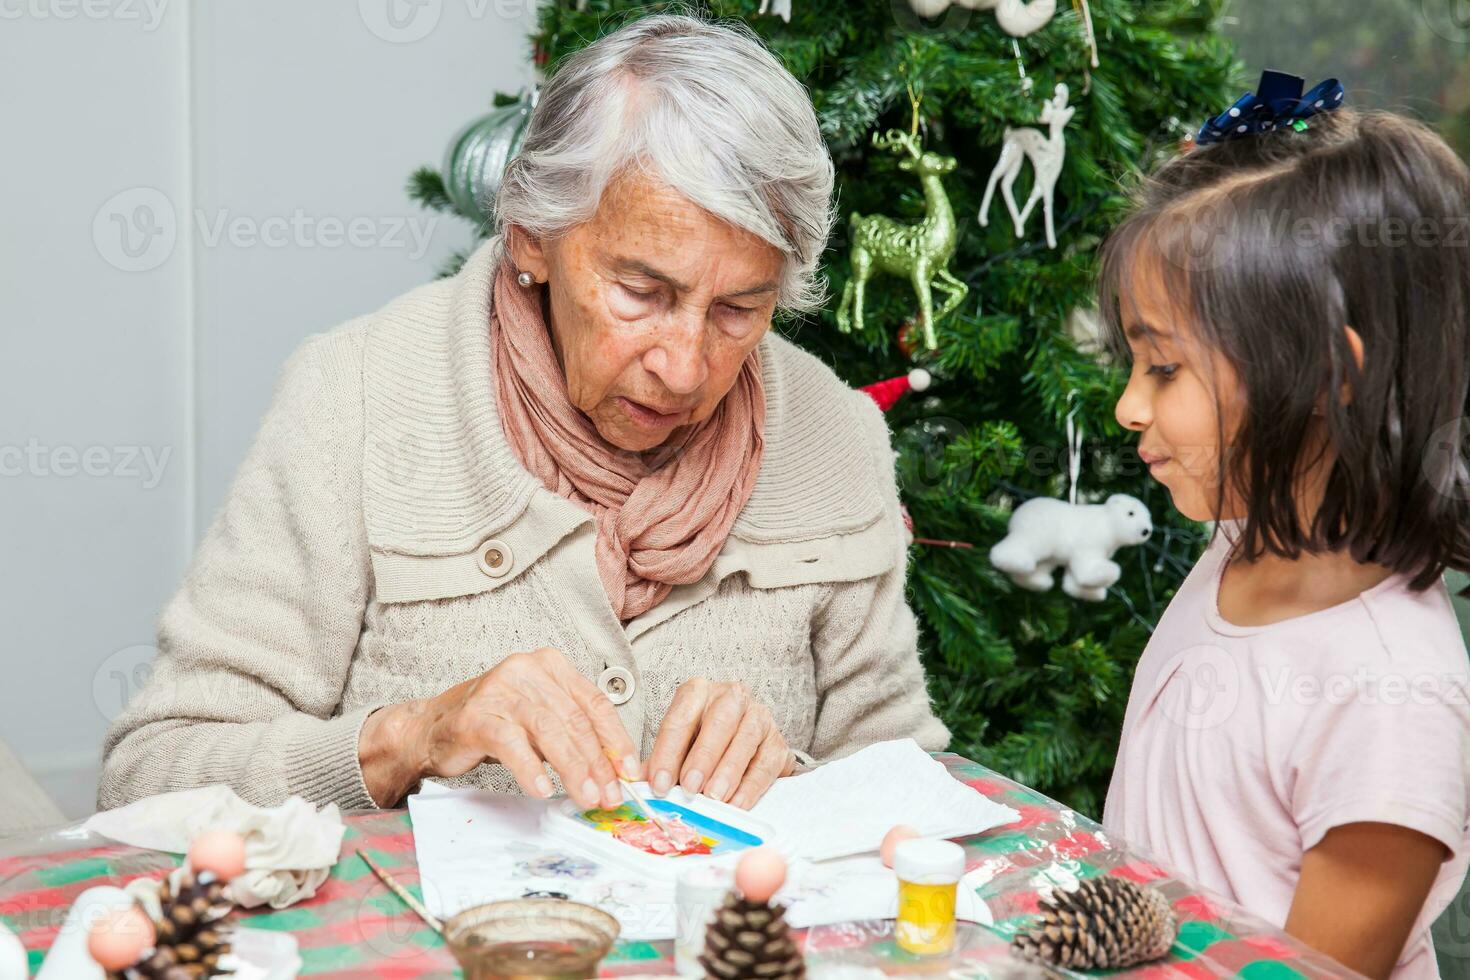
[355, 927]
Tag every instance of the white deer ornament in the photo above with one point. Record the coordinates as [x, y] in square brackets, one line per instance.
[1046, 153]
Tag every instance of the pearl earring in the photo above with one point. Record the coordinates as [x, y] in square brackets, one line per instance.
[525, 279]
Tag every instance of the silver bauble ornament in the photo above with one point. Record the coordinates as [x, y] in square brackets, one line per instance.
[475, 161]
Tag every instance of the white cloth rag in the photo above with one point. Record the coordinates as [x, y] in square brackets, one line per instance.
[289, 849]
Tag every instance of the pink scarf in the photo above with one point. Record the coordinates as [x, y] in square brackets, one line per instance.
[658, 525]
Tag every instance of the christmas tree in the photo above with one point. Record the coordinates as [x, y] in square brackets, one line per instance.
[1032, 684]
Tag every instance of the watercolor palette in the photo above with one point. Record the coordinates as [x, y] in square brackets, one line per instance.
[703, 831]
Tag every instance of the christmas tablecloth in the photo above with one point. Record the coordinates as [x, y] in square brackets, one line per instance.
[355, 927]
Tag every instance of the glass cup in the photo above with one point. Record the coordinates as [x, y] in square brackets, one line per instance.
[530, 937]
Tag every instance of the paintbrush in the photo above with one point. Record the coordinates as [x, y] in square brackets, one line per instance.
[402, 893]
[642, 804]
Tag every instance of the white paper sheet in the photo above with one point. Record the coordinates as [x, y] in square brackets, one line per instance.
[870, 792]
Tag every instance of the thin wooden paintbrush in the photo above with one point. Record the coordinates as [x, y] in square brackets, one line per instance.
[402, 893]
[638, 799]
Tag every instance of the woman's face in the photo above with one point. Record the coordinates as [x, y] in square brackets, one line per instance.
[1171, 400]
[654, 305]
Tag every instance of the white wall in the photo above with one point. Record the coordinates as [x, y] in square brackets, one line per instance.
[175, 180]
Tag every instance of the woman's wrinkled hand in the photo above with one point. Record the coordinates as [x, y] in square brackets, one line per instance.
[528, 710]
[717, 738]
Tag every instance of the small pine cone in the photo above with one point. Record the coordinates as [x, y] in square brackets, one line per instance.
[190, 936]
[1105, 923]
[751, 941]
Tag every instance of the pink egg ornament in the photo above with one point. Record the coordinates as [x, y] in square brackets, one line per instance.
[221, 852]
[893, 838]
[760, 874]
[118, 939]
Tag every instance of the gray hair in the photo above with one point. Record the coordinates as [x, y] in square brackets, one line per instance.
[701, 106]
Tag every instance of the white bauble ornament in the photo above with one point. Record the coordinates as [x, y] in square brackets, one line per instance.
[1085, 327]
[1016, 17]
[1047, 534]
[1046, 153]
[780, 8]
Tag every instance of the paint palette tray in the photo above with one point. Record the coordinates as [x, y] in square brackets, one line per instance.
[706, 831]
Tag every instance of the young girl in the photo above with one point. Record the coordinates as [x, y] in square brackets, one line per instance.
[1295, 298]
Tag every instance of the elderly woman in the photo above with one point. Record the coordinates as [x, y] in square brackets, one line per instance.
[574, 507]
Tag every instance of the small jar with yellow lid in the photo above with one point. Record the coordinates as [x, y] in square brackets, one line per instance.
[929, 872]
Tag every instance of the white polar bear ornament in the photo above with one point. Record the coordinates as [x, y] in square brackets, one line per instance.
[1046, 534]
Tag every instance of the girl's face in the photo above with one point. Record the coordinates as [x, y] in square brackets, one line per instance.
[1172, 403]
[654, 306]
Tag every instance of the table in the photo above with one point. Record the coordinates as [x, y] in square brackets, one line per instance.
[355, 927]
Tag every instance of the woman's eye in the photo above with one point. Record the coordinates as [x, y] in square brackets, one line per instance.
[739, 310]
[637, 294]
[1165, 371]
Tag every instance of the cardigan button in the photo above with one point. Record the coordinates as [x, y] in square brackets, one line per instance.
[494, 558]
[617, 684]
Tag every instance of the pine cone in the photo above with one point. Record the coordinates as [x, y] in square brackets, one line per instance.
[1105, 923]
[750, 941]
[191, 939]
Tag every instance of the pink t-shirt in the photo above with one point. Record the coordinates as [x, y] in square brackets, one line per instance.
[1243, 746]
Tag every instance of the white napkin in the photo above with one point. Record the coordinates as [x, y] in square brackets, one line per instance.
[289, 849]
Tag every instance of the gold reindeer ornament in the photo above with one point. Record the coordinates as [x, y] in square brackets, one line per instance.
[919, 252]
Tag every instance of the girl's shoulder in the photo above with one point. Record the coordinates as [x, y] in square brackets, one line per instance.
[1416, 627]
[1389, 627]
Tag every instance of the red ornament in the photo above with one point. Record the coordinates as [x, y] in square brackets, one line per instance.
[887, 393]
[538, 55]
[909, 337]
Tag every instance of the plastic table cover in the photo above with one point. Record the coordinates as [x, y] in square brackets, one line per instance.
[356, 927]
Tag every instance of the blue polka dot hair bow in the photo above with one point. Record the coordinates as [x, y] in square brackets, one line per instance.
[1277, 103]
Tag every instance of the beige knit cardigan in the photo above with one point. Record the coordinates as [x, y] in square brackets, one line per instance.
[381, 542]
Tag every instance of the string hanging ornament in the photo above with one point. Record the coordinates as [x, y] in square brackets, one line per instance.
[1046, 534]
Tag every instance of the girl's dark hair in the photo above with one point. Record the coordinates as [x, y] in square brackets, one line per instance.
[1271, 245]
